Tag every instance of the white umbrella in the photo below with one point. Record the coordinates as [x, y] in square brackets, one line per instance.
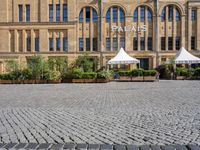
[184, 57]
[123, 58]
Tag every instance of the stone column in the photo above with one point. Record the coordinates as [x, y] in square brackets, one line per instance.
[32, 40]
[54, 42]
[189, 28]
[84, 30]
[166, 27]
[24, 12]
[61, 41]
[183, 31]
[118, 33]
[54, 10]
[61, 10]
[146, 33]
[174, 28]
[24, 36]
[16, 41]
[44, 40]
[198, 29]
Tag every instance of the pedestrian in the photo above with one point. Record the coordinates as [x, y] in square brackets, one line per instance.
[157, 76]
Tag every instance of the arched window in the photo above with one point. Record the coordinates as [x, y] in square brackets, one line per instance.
[150, 16]
[136, 15]
[117, 13]
[178, 15]
[163, 15]
[142, 14]
[171, 13]
[87, 15]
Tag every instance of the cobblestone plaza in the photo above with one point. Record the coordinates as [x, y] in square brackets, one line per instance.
[165, 112]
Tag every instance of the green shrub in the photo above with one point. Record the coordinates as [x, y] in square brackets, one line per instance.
[104, 74]
[124, 73]
[26, 74]
[7, 76]
[149, 72]
[182, 72]
[137, 72]
[89, 75]
[73, 74]
[197, 72]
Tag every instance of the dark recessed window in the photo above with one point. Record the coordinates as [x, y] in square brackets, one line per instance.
[135, 19]
[28, 44]
[178, 41]
[170, 13]
[57, 12]
[193, 43]
[95, 16]
[150, 42]
[178, 15]
[95, 44]
[122, 42]
[108, 44]
[65, 13]
[51, 45]
[81, 44]
[108, 15]
[27, 13]
[122, 15]
[194, 15]
[135, 43]
[58, 44]
[87, 44]
[37, 44]
[142, 43]
[51, 12]
[87, 11]
[163, 45]
[163, 15]
[150, 16]
[115, 44]
[65, 44]
[170, 43]
[142, 14]
[115, 14]
[20, 7]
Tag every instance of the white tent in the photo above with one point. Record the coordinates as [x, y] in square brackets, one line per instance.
[184, 57]
[123, 58]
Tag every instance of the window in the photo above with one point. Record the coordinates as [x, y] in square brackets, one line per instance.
[122, 16]
[95, 16]
[27, 13]
[163, 43]
[57, 12]
[20, 13]
[28, 43]
[193, 15]
[142, 43]
[95, 44]
[51, 12]
[170, 13]
[65, 13]
[51, 45]
[87, 44]
[115, 44]
[150, 17]
[65, 44]
[115, 14]
[122, 42]
[163, 14]
[170, 43]
[177, 43]
[142, 14]
[87, 11]
[150, 43]
[37, 44]
[81, 44]
[81, 16]
[108, 44]
[135, 43]
[108, 15]
[193, 43]
[136, 15]
[178, 16]
[58, 44]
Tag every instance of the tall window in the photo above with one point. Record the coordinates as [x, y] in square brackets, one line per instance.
[51, 45]
[37, 44]
[65, 44]
[177, 43]
[81, 16]
[142, 14]
[178, 16]
[28, 43]
[150, 16]
[95, 16]
[51, 12]
[170, 13]
[87, 44]
[95, 44]
[57, 12]
[135, 43]
[122, 42]
[170, 43]
[136, 15]
[20, 13]
[194, 13]
[115, 44]
[163, 15]
[27, 13]
[150, 43]
[58, 44]
[108, 44]
[142, 43]
[163, 43]
[108, 15]
[193, 44]
[81, 45]
[65, 13]
[115, 14]
[122, 16]
[87, 11]
[87, 15]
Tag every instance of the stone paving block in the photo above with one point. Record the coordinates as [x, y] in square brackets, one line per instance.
[94, 147]
[69, 146]
[132, 147]
[155, 147]
[106, 147]
[9, 145]
[44, 146]
[168, 147]
[81, 146]
[2, 145]
[145, 147]
[56, 147]
[32, 146]
[181, 147]
[193, 147]
[119, 147]
[20, 146]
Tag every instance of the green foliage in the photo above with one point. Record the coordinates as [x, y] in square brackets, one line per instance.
[52, 75]
[104, 74]
[58, 64]
[182, 72]
[12, 65]
[124, 73]
[73, 74]
[89, 75]
[197, 72]
[137, 72]
[149, 72]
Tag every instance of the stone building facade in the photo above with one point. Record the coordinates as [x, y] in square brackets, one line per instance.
[68, 28]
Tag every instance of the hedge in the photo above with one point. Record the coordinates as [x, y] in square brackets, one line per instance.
[89, 75]
[149, 72]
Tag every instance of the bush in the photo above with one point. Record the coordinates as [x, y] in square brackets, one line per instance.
[104, 74]
[51, 75]
[26, 74]
[124, 73]
[197, 72]
[149, 72]
[137, 72]
[89, 75]
[182, 72]
[7, 76]
[73, 74]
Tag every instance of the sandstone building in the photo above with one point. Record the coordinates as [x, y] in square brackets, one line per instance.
[68, 28]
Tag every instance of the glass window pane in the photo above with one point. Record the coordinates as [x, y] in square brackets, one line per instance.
[122, 16]
[20, 13]
[51, 45]
[95, 44]
[122, 42]
[65, 13]
[81, 45]
[108, 15]
[37, 44]
[108, 44]
[95, 16]
[193, 15]
[163, 14]
[150, 42]
[115, 44]
[135, 43]
[170, 13]
[87, 44]
[57, 12]
[178, 16]
[142, 43]
[58, 44]
[162, 43]
[170, 43]
[142, 14]
[51, 12]
[87, 14]
[193, 43]
[115, 14]
[177, 43]
[136, 15]
[28, 40]
[150, 17]
[27, 13]
[81, 16]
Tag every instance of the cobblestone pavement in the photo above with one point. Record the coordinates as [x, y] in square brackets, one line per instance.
[166, 112]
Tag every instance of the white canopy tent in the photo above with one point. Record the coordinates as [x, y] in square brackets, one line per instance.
[123, 58]
[184, 57]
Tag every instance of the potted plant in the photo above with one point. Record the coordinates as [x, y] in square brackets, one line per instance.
[137, 75]
[89, 77]
[103, 77]
[124, 75]
[6, 78]
[149, 75]
[181, 73]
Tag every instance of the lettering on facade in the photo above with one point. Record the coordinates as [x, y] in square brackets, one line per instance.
[129, 29]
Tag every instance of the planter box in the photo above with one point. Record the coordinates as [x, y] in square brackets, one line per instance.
[40, 81]
[124, 78]
[29, 81]
[5, 81]
[102, 80]
[180, 78]
[17, 82]
[149, 78]
[53, 81]
[138, 79]
[89, 80]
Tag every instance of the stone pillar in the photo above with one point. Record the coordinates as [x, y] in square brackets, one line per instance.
[174, 28]
[61, 41]
[54, 10]
[84, 30]
[16, 41]
[118, 33]
[189, 28]
[129, 35]
[24, 36]
[166, 27]
[61, 10]
[24, 12]
[198, 29]
[32, 40]
[54, 42]
[44, 11]
[111, 33]
[183, 31]
[44, 40]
